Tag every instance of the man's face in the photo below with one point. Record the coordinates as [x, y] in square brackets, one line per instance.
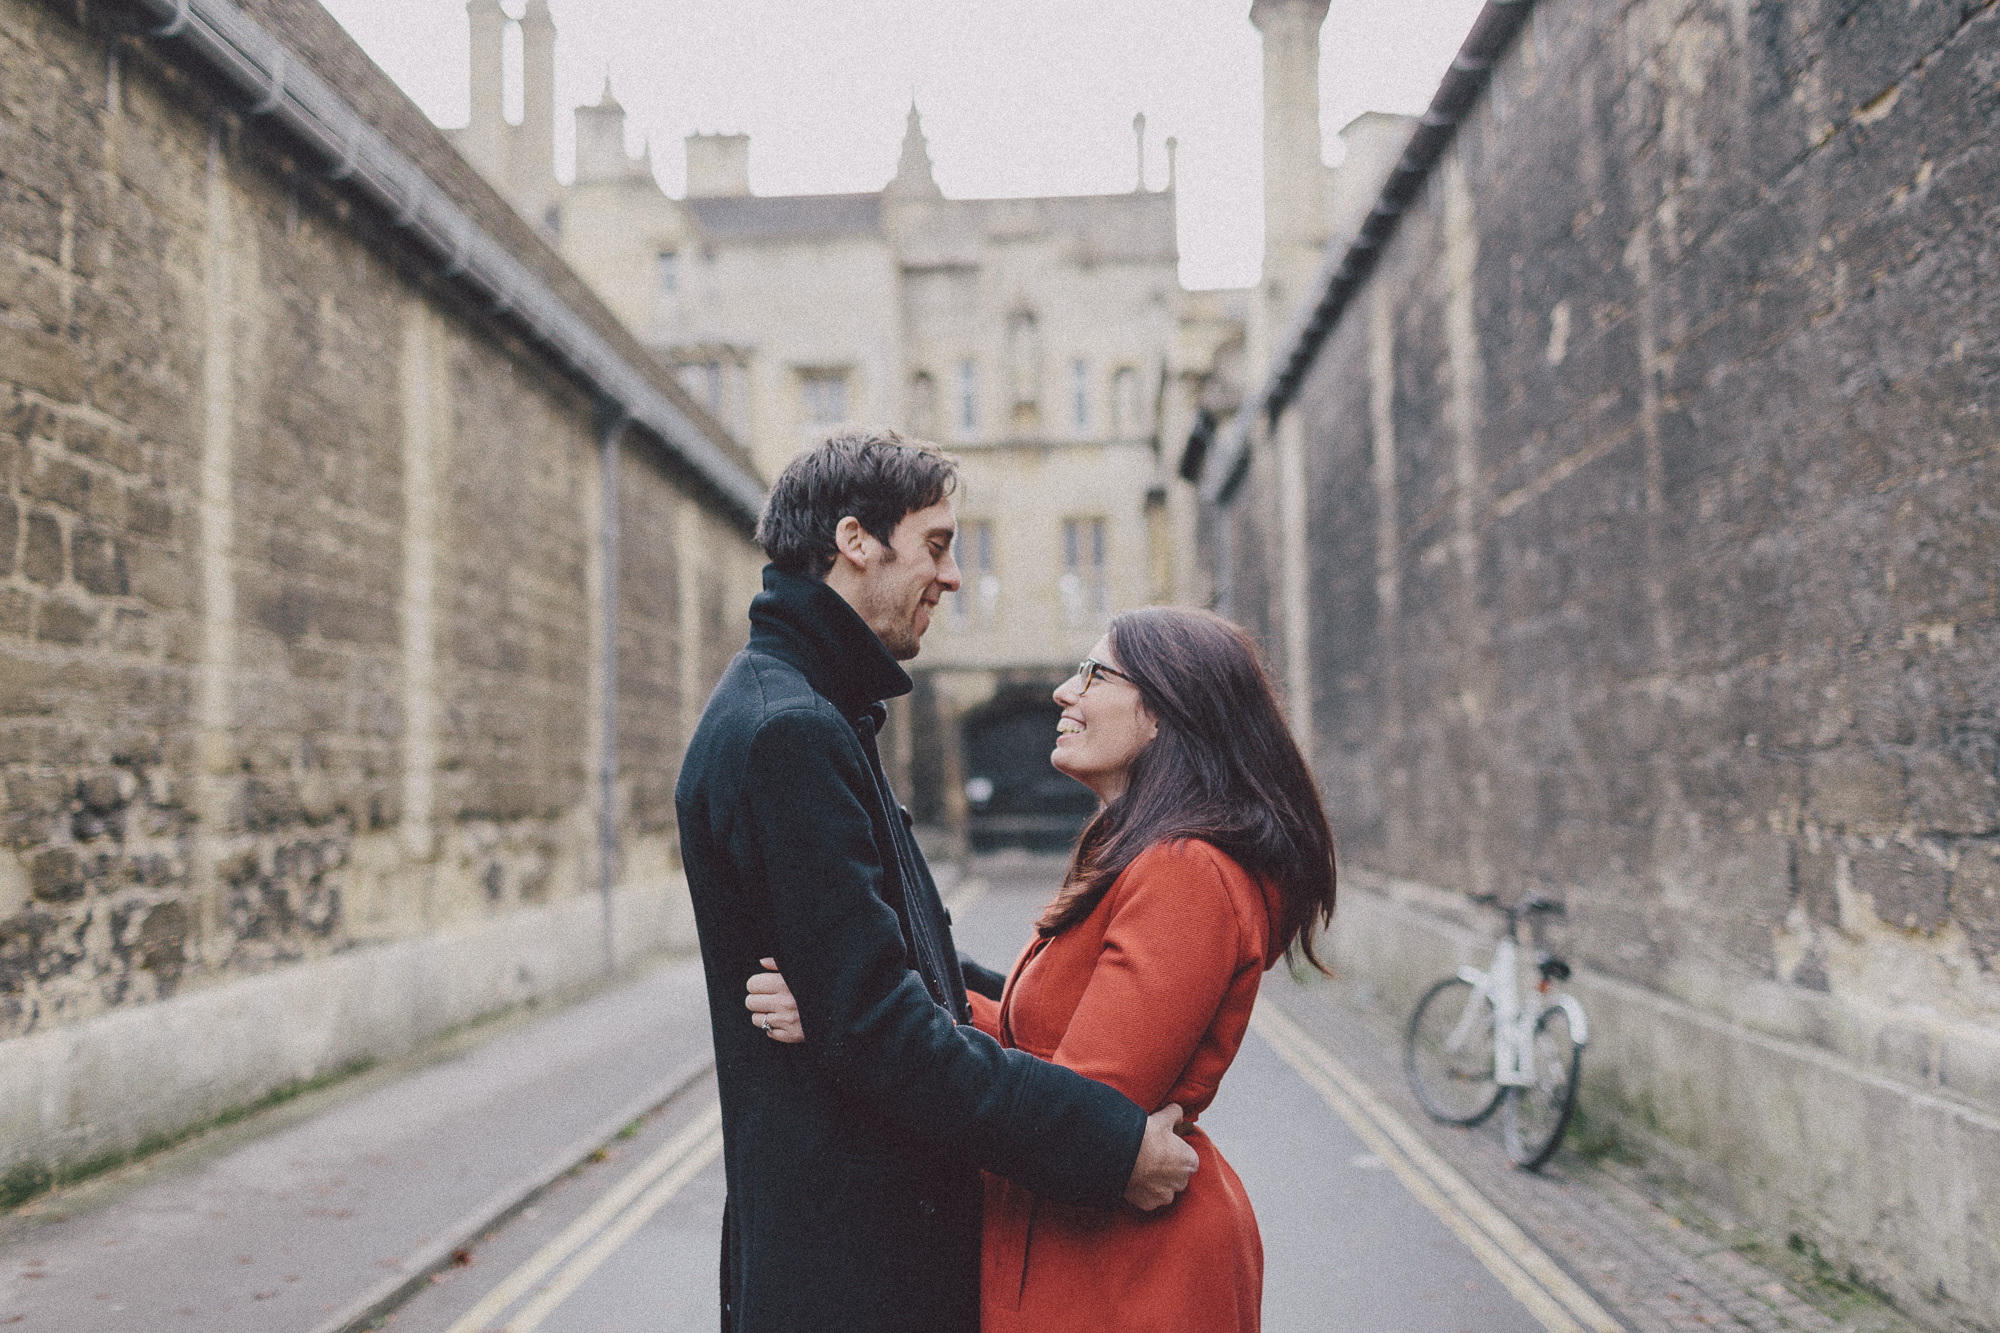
[896, 588]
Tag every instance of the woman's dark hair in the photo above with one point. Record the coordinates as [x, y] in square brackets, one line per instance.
[1223, 768]
[872, 473]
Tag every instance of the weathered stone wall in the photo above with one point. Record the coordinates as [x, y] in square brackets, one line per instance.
[300, 580]
[1654, 549]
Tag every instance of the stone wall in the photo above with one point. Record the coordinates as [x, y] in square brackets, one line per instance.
[1653, 561]
[300, 601]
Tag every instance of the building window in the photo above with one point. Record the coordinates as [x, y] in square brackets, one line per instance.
[703, 381]
[1126, 420]
[1079, 396]
[1024, 372]
[718, 379]
[1086, 594]
[968, 398]
[978, 599]
[824, 394]
[667, 272]
[923, 405]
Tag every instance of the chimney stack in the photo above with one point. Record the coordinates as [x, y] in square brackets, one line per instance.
[485, 133]
[535, 169]
[1294, 176]
[600, 140]
[1139, 134]
[718, 165]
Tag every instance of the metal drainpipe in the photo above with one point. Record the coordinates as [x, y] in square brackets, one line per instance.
[611, 422]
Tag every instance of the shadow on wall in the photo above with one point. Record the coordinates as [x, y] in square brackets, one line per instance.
[1013, 797]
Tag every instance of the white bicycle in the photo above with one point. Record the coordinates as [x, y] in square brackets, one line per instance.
[1473, 1044]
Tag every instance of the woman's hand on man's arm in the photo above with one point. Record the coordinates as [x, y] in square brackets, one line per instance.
[771, 1005]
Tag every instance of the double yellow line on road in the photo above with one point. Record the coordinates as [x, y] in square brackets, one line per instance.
[1522, 1266]
[594, 1237]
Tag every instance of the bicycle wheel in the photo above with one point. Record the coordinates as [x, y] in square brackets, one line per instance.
[1448, 1053]
[1538, 1113]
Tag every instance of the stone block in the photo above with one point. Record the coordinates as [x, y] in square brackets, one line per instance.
[114, 446]
[161, 577]
[102, 793]
[135, 631]
[61, 621]
[269, 804]
[28, 290]
[42, 363]
[353, 619]
[284, 610]
[37, 793]
[1956, 790]
[17, 613]
[1909, 883]
[1815, 870]
[149, 512]
[1975, 897]
[1857, 792]
[42, 554]
[59, 481]
[154, 404]
[55, 875]
[96, 561]
[159, 944]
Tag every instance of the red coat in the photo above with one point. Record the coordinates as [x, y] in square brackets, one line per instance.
[1150, 994]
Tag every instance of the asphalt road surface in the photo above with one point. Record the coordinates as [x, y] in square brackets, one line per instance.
[630, 1243]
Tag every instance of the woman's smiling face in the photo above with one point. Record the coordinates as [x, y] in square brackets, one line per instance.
[1103, 728]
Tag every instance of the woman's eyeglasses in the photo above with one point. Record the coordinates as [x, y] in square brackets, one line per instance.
[1090, 669]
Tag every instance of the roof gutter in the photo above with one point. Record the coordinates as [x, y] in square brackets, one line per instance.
[1344, 272]
[281, 87]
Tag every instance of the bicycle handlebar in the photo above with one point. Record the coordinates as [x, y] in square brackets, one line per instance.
[1528, 904]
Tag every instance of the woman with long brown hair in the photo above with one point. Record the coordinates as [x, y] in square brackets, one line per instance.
[1208, 860]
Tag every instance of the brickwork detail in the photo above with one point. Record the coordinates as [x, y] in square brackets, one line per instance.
[1652, 526]
[244, 587]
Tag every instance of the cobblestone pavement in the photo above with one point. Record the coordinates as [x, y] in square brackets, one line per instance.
[1660, 1261]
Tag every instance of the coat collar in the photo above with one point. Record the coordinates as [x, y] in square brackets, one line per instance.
[802, 622]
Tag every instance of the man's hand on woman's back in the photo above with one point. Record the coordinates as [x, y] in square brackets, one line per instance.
[1165, 1163]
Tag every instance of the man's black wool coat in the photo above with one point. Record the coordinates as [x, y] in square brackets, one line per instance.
[853, 1159]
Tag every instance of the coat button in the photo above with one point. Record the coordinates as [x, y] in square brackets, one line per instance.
[926, 1207]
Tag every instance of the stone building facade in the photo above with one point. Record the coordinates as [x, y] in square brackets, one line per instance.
[1631, 536]
[1046, 341]
[307, 584]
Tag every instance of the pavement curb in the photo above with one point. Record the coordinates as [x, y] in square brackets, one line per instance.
[366, 1310]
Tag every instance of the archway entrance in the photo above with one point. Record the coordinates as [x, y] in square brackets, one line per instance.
[1013, 798]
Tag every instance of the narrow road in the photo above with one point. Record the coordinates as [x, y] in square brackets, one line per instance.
[555, 1168]
[1357, 1235]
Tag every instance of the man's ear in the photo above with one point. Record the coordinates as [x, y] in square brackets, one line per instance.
[851, 541]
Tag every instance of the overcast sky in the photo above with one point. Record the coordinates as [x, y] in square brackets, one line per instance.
[1019, 97]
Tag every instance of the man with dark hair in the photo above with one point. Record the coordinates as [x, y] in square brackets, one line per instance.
[853, 1160]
